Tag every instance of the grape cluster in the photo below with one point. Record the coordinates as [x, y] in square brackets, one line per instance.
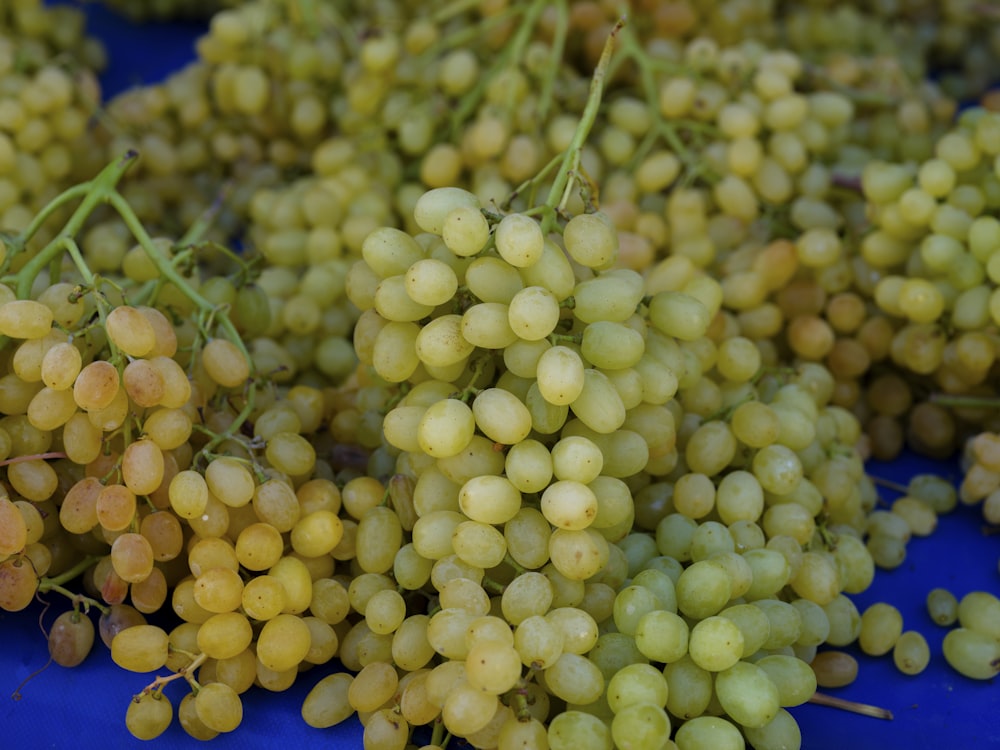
[539, 399]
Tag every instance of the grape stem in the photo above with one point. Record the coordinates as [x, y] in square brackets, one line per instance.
[864, 709]
[965, 402]
[55, 583]
[559, 192]
[185, 672]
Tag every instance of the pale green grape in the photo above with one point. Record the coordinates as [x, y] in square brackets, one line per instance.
[430, 282]
[440, 342]
[689, 688]
[519, 240]
[715, 643]
[972, 654]
[786, 622]
[794, 679]
[703, 590]
[575, 679]
[611, 346]
[611, 296]
[433, 207]
[709, 733]
[753, 624]
[561, 375]
[576, 730]
[661, 636]
[533, 313]
[679, 315]
[911, 655]
[464, 230]
[881, 626]
[640, 726]
[446, 428]
[747, 694]
[980, 611]
[598, 404]
[781, 733]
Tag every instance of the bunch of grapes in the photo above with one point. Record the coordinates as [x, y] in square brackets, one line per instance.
[538, 399]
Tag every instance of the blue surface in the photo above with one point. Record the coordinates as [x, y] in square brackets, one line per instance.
[84, 707]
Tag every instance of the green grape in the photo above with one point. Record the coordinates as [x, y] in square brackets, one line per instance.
[568, 504]
[575, 679]
[709, 733]
[747, 694]
[140, 648]
[781, 732]
[552, 271]
[640, 726]
[609, 345]
[973, 654]
[538, 642]
[560, 375]
[753, 624]
[689, 688]
[881, 626]
[326, 704]
[519, 240]
[533, 313]
[148, 715]
[464, 229]
[795, 680]
[679, 315]
[576, 730]
[219, 707]
[980, 611]
[703, 589]
[446, 428]
[501, 416]
[578, 554]
[942, 606]
[612, 296]
[440, 342]
[911, 654]
[434, 206]
[715, 643]
[771, 571]
[637, 684]
[786, 622]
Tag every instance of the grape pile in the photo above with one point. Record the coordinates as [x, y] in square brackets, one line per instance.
[539, 390]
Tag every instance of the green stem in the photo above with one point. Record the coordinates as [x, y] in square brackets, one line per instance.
[512, 53]
[171, 274]
[965, 402]
[98, 190]
[91, 280]
[556, 50]
[68, 575]
[233, 428]
[571, 158]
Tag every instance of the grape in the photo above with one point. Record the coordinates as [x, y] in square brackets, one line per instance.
[747, 694]
[148, 715]
[575, 729]
[219, 707]
[705, 732]
[71, 637]
[140, 648]
[911, 654]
